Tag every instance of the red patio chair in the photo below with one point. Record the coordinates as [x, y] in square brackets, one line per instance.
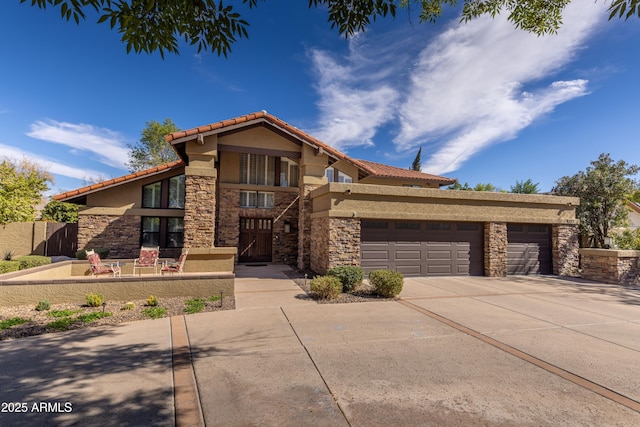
[175, 267]
[98, 269]
[148, 258]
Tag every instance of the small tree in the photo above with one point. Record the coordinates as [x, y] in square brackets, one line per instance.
[458, 186]
[525, 187]
[152, 149]
[21, 187]
[56, 211]
[603, 189]
[417, 163]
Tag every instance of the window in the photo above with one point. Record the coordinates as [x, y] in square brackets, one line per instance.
[374, 224]
[329, 173]
[407, 226]
[438, 226]
[256, 199]
[288, 173]
[334, 175]
[151, 195]
[162, 231]
[168, 193]
[177, 191]
[257, 169]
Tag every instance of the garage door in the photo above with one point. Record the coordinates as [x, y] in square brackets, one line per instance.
[529, 249]
[423, 248]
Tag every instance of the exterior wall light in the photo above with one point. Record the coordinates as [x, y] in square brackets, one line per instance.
[287, 227]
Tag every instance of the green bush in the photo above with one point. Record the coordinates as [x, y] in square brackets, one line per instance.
[628, 239]
[326, 287]
[152, 301]
[8, 255]
[30, 261]
[103, 252]
[63, 313]
[350, 276]
[386, 282]
[194, 305]
[155, 312]
[9, 266]
[43, 305]
[94, 300]
[91, 317]
[8, 323]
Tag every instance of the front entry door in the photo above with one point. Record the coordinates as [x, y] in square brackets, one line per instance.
[255, 240]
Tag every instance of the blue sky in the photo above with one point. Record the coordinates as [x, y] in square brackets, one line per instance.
[486, 102]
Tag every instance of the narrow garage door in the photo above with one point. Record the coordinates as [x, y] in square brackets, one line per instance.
[529, 249]
[422, 248]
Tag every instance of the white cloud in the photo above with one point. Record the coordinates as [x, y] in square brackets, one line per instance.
[355, 98]
[107, 145]
[458, 92]
[56, 168]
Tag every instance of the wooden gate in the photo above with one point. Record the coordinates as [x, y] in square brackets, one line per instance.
[62, 239]
[255, 240]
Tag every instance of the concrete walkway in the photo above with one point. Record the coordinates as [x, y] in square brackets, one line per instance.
[453, 351]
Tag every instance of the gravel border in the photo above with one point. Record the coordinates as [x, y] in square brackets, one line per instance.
[38, 320]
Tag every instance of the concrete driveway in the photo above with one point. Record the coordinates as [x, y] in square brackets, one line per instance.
[453, 351]
[537, 351]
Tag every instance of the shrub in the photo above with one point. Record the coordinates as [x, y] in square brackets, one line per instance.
[8, 255]
[326, 287]
[43, 305]
[94, 300]
[7, 323]
[628, 239]
[155, 312]
[103, 252]
[152, 301]
[194, 305]
[350, 276]
[62, 323]
[30, 261]
[90, 317]
[63, 313]
[128, 306]
[386, 282]
[9, 266]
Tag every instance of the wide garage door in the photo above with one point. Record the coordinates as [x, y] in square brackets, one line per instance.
[529, 249]
[423, 248]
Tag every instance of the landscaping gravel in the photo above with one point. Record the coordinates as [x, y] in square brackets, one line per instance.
[38, 320]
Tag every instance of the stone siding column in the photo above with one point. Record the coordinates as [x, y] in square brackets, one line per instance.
[495, 249]
[565, 249]
[199, 211]
[336, 242]
[304, 225]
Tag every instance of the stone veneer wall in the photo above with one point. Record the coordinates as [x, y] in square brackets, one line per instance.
[100, 231]
[305, 208]
[284, 245]
[565, 250]
[495, 249]
[611, 266]
[199, 211]
[336, 242]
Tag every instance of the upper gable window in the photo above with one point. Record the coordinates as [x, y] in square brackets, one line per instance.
[257, 169]
[168, 193]
[334, 175]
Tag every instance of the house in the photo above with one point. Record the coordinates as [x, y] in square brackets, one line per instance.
[634, 216]
[274, 193]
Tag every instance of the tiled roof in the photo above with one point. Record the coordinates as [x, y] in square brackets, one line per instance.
[381, 170]
[132, 176]
[370, 168]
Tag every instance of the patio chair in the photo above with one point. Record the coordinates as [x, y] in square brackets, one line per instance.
[148, 258]
[98, 268]
[175, 267]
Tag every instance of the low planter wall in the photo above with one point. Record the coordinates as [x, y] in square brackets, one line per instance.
[611, 266]
[70, 281]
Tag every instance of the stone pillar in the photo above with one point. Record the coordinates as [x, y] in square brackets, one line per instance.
[495, 249]
[336, 242]
[565, 249]
[199, 211]
[304, 225]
